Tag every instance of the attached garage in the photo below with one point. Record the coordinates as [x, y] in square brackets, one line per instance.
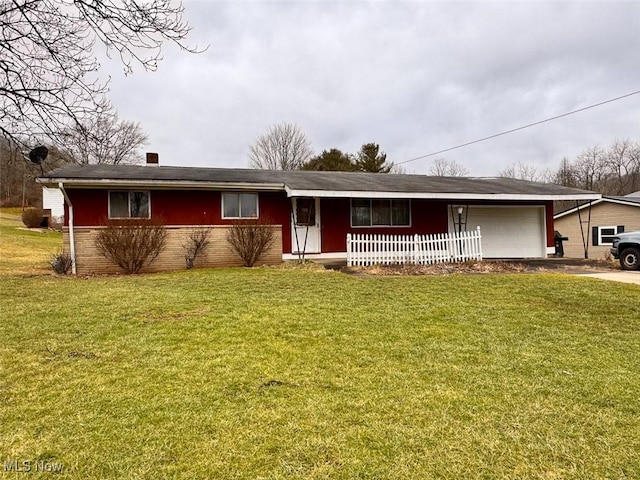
[509, 231]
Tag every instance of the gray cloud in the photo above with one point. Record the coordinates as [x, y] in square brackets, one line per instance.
[415, 77]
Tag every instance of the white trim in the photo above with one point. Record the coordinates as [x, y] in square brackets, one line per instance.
[461, 196]
[72, 238]
[551, 250]
[606, 244]
[316, 256]
[603, 199]
[222, 216]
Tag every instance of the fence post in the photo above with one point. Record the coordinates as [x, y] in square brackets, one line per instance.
[348, 249]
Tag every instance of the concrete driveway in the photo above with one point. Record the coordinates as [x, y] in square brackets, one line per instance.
[616, 276]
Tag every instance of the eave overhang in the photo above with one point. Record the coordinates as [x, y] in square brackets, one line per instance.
[110, 183]
[440, 196]
[160, 184]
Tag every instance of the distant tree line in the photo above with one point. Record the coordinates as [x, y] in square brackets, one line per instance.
[613, 171]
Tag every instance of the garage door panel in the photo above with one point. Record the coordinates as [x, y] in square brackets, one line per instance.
[510, 232]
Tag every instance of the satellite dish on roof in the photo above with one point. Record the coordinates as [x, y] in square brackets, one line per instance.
[38, 154]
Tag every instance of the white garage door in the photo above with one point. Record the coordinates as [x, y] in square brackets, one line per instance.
[509, 232]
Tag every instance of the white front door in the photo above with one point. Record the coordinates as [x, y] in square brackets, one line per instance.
[305, 235]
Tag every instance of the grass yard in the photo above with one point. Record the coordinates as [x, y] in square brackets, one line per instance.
[24, 251]
[276, 373]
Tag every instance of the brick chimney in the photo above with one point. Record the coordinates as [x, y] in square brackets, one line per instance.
[152, 159]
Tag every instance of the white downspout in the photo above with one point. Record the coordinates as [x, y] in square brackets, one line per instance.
[72, 240]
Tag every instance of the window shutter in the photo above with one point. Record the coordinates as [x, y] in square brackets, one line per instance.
[594, 236]
[620, 229]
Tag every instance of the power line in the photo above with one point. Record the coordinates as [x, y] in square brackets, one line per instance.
[519, 128]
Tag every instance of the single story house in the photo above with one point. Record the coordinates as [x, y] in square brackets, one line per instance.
[591, 226]
[311, 212]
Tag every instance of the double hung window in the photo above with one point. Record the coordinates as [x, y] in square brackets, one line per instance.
[129, 204]
[239, 205]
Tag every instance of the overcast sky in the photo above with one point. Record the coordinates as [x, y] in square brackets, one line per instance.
[413, 76]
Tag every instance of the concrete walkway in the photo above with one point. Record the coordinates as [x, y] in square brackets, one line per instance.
[619, 276]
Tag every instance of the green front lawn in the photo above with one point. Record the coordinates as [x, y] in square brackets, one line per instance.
[22, 250]
[275, 373]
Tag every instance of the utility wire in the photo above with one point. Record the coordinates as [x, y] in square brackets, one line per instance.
[519, 128]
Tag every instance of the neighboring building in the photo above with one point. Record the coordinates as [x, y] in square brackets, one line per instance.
[595, 224]
[311, 212]
[53, 204]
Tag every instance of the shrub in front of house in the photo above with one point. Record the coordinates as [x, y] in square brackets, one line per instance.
[251, 239]
[132, 244]
[32, 217]
[61, 263]
[195, 244]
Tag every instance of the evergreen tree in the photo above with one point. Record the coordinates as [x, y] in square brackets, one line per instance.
[331, 160]
[371, 159]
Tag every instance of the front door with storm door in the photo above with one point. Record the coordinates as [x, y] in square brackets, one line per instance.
[305, 236]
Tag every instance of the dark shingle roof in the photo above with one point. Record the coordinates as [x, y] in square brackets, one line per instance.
[625, 199]
[349, 183]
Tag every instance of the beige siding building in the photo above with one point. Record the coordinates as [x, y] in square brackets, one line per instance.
[608, 217]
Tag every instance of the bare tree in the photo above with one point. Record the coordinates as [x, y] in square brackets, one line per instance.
[522, 171]
[447, 168]
[283, 147]
[104, 139]
[623, 163]
[566, 174]
[591, 167]
[195, 244]
[48, 71]
[17, 174]
[614, 171]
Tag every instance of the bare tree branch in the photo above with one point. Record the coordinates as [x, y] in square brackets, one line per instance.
[447, 168]
[522, 171]
[283, 147]
[104, 139]
[48, 72]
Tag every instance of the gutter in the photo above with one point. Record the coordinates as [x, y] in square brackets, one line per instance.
[165, 184]
[72, 240]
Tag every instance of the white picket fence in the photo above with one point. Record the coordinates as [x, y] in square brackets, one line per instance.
[369, 249]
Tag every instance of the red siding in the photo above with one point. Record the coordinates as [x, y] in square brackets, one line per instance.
[427, 216]
[548, 208]
[180, 207]
[89, 207]
[196, 207]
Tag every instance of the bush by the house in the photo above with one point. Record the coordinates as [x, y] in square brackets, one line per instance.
[251, 239]
[132, 244]
[32, 217]
[61, 263]
[195, 244]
